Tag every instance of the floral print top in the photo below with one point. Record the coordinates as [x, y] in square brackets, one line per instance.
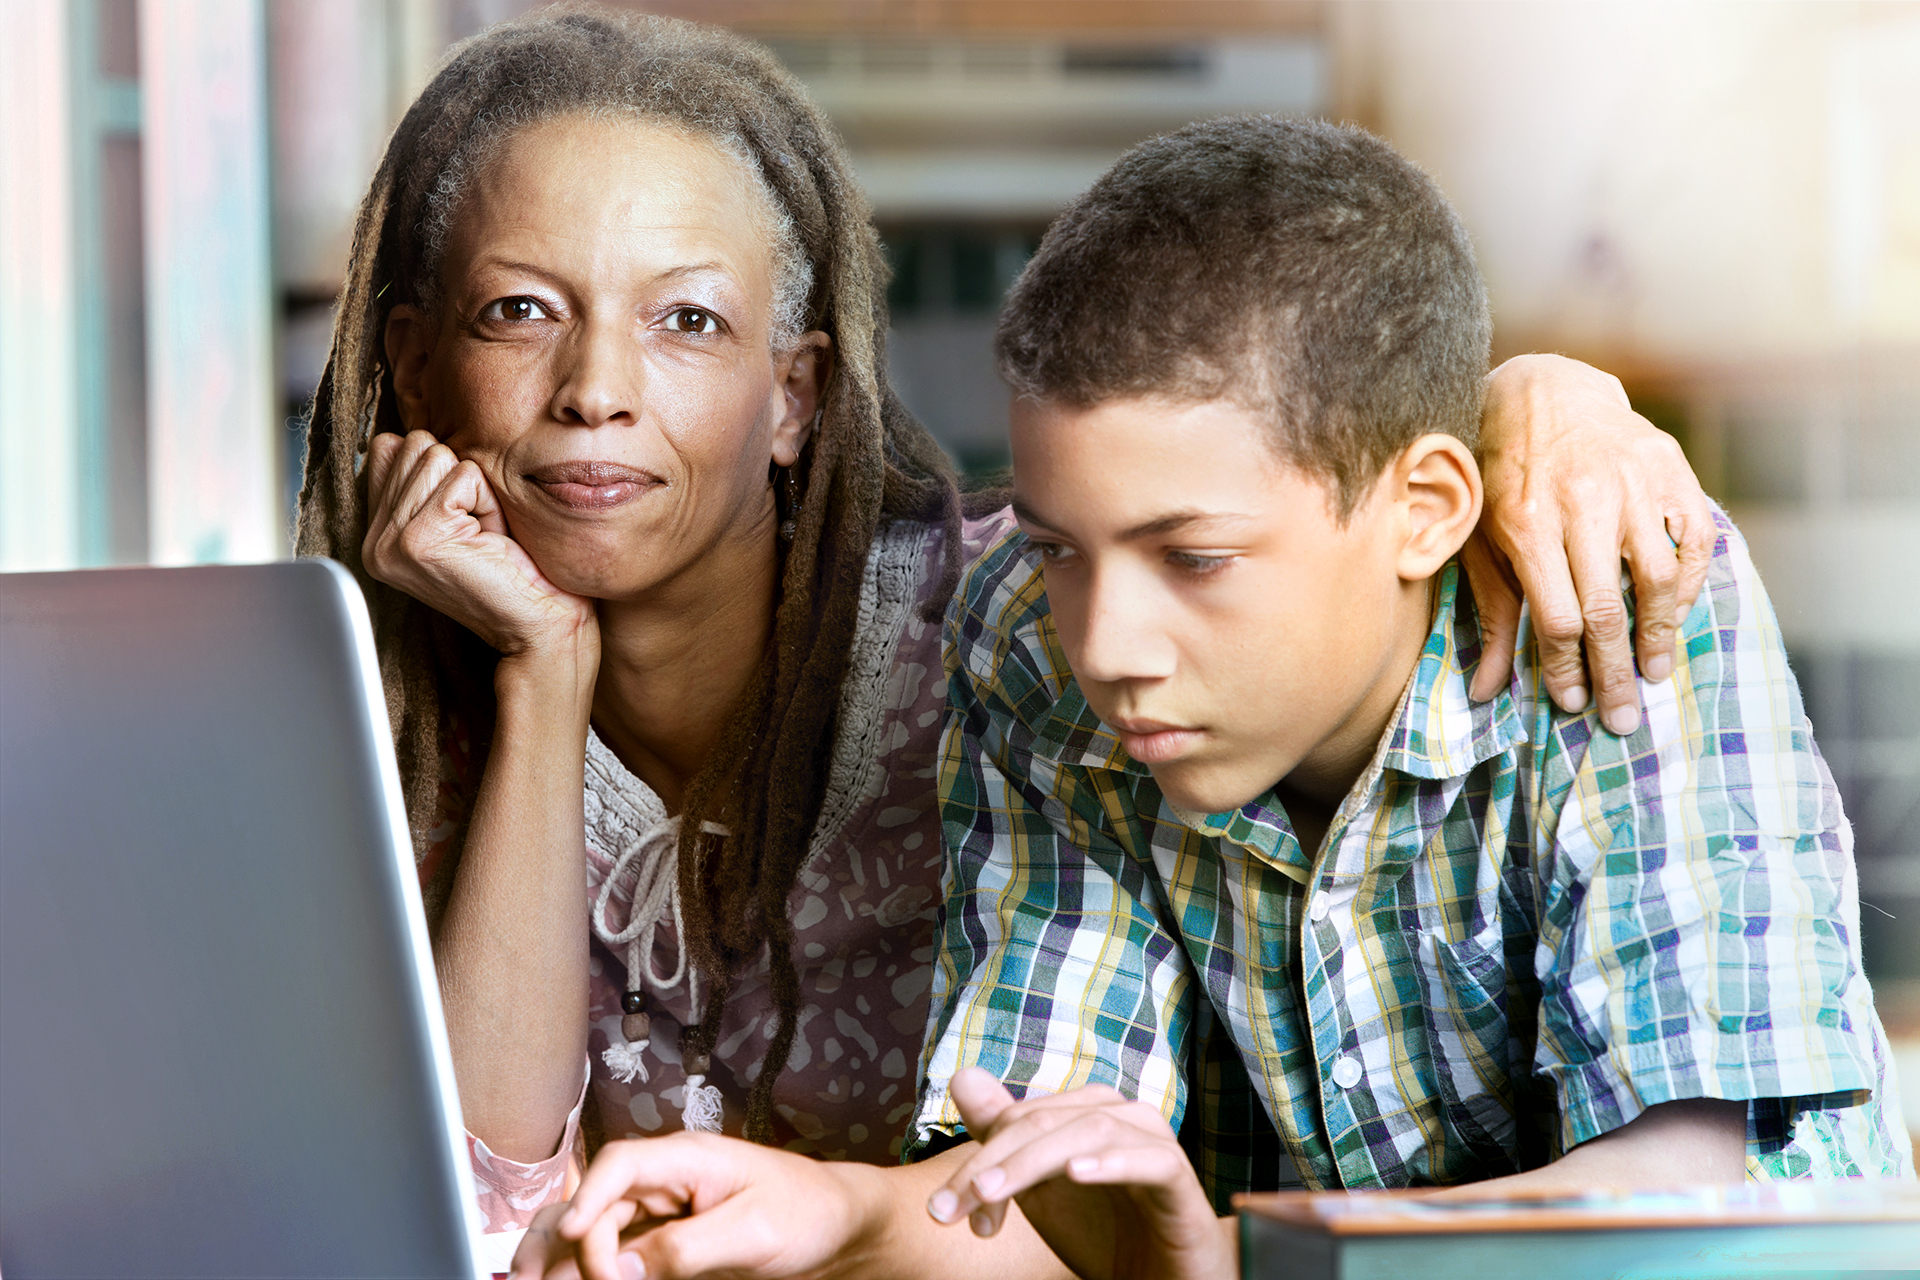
[863, 911]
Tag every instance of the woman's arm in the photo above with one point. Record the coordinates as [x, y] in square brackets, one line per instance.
[1577, 482]
[511, 950]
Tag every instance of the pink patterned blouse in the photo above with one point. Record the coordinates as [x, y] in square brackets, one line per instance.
[863, 912]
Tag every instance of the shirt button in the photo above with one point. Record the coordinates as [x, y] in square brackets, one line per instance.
[1319, 906]
[1346, 1072]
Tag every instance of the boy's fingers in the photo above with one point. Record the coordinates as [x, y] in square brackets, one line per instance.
[621, 1171]
[542, 1253]
[1497, 601]
[980, 1099]
[1043, 1154]
[1014, 1124]
[1102, 1146]
[724, 1241]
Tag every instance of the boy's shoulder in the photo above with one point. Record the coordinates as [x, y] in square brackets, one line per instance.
[1000, 615]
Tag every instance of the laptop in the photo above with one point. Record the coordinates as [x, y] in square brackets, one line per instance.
[221, 1046]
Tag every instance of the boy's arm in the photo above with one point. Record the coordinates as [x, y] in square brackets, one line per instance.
[1694, 892]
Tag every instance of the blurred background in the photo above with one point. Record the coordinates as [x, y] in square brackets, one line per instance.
[1719, 202]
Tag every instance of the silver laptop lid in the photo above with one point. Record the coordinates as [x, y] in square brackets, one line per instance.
[221, 1047]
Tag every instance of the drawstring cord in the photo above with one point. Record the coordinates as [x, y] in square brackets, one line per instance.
[652, 862]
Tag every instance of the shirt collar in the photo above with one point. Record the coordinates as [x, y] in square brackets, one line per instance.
[1439, 731]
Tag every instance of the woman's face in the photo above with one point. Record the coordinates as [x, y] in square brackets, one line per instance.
[602, 352]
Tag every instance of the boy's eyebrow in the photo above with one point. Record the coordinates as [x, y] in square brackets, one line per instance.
[1156, 527]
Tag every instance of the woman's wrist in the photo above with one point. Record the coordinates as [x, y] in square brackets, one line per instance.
[1521, 395]
[547, 679]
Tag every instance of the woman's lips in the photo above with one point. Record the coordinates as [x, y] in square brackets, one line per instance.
[592, 486]
[1151, 742]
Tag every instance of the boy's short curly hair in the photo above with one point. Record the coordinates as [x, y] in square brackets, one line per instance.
[1302, 269]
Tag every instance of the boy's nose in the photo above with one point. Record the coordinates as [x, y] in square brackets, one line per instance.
[1123, 636]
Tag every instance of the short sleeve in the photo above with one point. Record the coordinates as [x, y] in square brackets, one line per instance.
[1698, 915]
[510, 1192]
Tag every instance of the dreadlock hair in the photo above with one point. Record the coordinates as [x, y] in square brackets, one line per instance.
[870, 460]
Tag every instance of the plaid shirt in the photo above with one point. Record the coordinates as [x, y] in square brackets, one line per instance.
[1520, 931]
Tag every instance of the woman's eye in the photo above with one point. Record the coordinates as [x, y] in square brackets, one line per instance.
[516, 310]
[693, 320]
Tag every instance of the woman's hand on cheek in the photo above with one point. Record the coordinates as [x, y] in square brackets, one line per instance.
[1576, 483]
[435, 531]
[1103, 1180]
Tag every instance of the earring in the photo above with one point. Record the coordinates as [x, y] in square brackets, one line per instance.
[788, 497]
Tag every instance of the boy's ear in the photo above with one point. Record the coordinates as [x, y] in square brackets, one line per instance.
[802, 376]
[409, 344]
[1440, 493]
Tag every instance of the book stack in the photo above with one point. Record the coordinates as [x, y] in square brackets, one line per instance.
[1858, 1229]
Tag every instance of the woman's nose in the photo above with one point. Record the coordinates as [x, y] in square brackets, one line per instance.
[601, 380]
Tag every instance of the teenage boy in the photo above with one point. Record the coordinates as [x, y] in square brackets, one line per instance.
[1227, 835]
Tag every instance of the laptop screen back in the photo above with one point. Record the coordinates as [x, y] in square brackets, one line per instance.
[221, 1051]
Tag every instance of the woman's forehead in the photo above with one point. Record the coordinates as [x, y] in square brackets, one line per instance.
[614, 176]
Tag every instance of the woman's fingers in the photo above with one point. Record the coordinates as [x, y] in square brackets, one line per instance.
[1496, 598]
[1593, 555]
[1538, 559]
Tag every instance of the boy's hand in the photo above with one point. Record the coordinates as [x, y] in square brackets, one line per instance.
[1577, 482]
[1103, 1180]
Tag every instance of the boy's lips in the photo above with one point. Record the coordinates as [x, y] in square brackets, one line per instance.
[592, 486]
[1153, 741]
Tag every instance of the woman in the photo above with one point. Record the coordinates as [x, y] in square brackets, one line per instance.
[656, 562]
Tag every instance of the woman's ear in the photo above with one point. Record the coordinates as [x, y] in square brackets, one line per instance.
[409, 343]
[1440, 493]
[802, 375]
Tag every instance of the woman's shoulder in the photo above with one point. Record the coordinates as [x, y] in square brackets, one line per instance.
[923, 544]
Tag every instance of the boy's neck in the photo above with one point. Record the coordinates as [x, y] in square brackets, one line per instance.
[1329, 772]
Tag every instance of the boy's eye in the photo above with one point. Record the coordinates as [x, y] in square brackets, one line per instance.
[1198, 566]
[693, 320]
[1052, 553]
[516, 310]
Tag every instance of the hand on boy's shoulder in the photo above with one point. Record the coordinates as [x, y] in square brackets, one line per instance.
[1102, 1179]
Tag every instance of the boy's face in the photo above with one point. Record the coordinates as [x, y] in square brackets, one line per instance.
[1215, 613]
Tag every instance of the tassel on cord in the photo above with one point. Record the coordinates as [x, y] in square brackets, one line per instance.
[701, 1111]
[653, 861]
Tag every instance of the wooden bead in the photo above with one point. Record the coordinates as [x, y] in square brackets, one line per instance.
[636, 1027]
[698, 1064]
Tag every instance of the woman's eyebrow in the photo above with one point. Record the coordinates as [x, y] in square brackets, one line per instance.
[714, 267]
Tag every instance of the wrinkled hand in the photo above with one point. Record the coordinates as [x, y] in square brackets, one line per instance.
[436, 531]
[695, 1204]
[1577, 482]
[1103, 1180]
